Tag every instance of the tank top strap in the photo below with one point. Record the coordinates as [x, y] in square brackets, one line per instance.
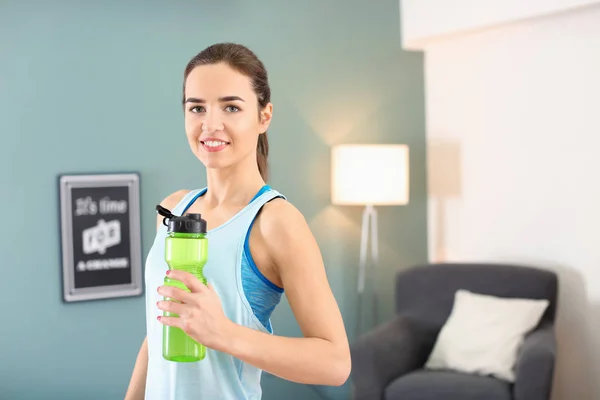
[240, 223]
[237, 227]
[187, 201]
[256, 205]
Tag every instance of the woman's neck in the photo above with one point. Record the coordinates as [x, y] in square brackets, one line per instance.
[235, 185]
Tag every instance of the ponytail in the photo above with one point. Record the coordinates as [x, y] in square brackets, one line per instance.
[262, 152]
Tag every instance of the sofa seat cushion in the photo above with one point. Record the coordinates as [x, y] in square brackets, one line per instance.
[447, 385]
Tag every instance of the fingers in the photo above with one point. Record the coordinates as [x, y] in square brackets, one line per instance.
[171, 321]
[172, 292]
[173, 307]
[189, 280]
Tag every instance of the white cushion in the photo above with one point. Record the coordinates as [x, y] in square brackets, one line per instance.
[483, 334]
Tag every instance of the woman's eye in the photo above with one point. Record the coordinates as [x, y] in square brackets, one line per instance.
[232, 109]
[197, 109]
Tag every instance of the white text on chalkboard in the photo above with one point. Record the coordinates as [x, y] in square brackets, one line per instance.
[102, 236]
[95, 265]
[87, 206]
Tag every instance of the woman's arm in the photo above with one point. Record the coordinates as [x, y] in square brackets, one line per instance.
[137, 384]
[322, 356]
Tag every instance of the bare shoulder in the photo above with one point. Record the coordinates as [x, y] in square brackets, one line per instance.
[174, 198]
[280, 217]
[170, 202]
[283, 232]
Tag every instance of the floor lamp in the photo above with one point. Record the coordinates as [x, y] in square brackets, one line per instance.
[369, 175]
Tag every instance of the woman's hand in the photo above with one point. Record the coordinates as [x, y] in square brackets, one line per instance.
[200, 312]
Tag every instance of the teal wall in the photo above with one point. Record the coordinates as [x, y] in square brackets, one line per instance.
[95, 86]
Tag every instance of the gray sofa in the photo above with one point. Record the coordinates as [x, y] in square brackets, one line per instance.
[387, 363]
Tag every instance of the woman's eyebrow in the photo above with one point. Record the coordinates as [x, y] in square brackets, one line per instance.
[221, 99]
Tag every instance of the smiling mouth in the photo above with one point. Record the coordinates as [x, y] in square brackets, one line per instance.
[213, 145]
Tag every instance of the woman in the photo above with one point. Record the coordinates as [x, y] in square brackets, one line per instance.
[259, 245]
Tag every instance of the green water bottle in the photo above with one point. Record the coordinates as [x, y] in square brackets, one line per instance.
[186, 249]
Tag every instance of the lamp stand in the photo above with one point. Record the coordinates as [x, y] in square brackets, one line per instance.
[369, 220]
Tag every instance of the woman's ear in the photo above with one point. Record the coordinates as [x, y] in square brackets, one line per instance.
[265, 118]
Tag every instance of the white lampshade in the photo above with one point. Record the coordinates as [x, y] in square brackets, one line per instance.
[371, 174]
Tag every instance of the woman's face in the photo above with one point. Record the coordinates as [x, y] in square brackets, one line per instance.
[222, 121]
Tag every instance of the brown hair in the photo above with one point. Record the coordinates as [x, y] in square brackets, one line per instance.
[246, 62]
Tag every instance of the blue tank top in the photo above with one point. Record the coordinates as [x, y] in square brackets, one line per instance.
[247, 297]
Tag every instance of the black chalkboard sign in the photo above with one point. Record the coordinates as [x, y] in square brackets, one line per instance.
[100, 236]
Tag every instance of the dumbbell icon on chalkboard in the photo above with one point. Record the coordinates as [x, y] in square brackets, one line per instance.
[101, 237]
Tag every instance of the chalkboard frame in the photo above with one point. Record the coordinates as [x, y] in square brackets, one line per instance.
[68, 182]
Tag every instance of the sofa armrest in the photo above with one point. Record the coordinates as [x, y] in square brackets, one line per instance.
[535, 365]
[387, 352]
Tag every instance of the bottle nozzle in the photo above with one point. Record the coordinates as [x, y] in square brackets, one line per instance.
[165, 213]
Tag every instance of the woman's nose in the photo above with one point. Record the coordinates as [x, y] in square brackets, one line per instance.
[212, 122]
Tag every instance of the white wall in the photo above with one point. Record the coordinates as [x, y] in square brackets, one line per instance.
[513, 125]
[426, 20]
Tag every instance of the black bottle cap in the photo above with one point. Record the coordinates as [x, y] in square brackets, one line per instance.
[187, 223]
